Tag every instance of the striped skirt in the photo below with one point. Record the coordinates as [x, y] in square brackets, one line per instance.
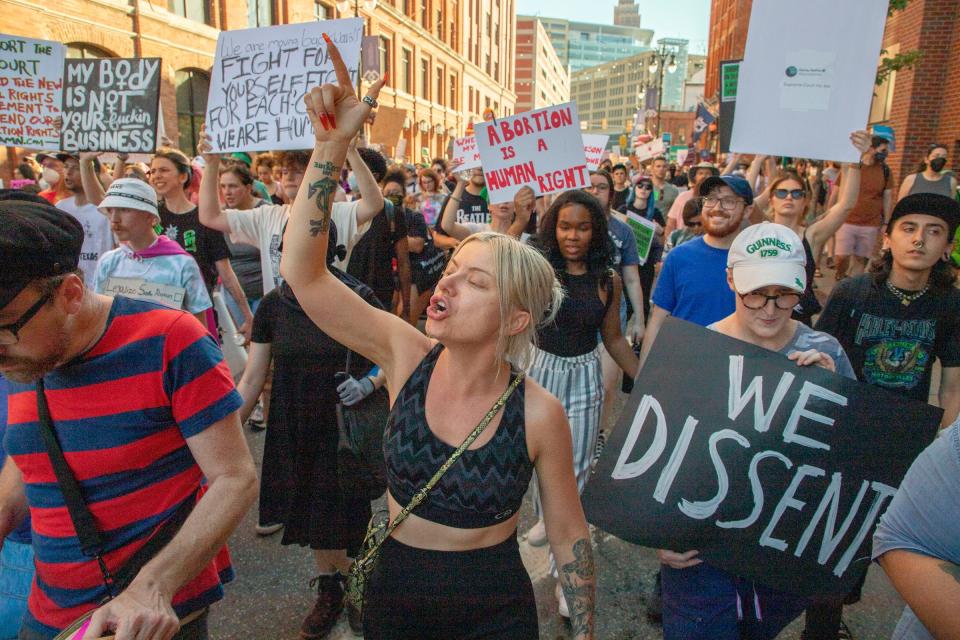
[577, 382]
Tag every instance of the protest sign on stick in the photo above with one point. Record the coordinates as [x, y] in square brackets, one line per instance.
[260, 76]
[651, 149]
[643, 231]
[541, 149]
[111, 104]
[387, 126]
[729, 78]
[774, 472]
[465, 151]
[594, 144]
[31, 84]
[801, 91]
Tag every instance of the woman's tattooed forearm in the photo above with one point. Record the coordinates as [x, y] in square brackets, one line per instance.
[323, 190]
[578, 579]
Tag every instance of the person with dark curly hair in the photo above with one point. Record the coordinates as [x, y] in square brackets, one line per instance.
[566, 360]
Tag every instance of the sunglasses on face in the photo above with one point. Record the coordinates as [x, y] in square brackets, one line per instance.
[796, 194]
[645, 187]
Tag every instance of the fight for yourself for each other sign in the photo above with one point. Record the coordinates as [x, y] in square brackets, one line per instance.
[31, 82]
[541, 149]
[111, 104]
[772, 471]
[260, 76]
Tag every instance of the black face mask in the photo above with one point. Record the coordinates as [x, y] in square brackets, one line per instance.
[937, 164]
[880, 156]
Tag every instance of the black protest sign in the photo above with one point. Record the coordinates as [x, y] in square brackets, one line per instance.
[729, 78]
[110, 104]
[774, 472]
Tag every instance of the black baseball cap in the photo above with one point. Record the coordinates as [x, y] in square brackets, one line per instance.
[37, 240]
[930, 204]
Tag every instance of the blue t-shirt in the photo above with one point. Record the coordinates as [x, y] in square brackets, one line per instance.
[22, 533]
[693, 284]
[624, 244]
[922, 517]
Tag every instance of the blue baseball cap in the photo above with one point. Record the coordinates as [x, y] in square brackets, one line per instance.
[739, 186]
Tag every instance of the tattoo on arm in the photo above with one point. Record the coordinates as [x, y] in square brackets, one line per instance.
[578, 579]
[323, 190]
[951, 570]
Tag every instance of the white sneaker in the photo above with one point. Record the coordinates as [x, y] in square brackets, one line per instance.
[562, 608]
[537, 535]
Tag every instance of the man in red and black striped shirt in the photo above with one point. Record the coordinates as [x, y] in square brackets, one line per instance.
[144, 409]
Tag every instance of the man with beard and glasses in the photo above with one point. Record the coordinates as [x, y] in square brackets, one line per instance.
[138, 399]
[97, 237]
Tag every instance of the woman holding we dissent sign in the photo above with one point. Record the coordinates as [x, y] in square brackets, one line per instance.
[446, 568]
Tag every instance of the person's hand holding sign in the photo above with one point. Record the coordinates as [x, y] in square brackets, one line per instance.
[812, 356]
[677, 560]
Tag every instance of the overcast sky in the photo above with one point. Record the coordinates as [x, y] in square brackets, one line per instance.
[668, 18]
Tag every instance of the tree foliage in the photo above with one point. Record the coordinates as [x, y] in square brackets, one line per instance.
[900, 61]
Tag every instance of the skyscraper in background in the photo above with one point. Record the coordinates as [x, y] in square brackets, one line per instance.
[626, 14]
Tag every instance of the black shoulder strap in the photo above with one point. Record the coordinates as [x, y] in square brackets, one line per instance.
[91, 542]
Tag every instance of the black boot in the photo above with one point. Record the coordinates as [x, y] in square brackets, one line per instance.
[323, 618]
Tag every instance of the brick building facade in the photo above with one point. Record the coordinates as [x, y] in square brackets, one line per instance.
[448, 60]
[541, 78]
[922, 104]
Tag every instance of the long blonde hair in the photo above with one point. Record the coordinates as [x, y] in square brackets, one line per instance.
[525, 280]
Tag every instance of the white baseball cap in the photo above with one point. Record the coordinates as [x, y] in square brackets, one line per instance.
[131, 193]
[767, 254]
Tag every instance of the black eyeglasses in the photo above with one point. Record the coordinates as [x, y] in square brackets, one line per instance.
[796, 194]
[9, 332]
[757, 301]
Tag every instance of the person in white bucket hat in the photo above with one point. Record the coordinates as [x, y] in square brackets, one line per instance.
[765, 270]
[147, 266]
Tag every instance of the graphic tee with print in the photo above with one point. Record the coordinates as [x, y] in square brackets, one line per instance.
[892, 345]
[205, 245]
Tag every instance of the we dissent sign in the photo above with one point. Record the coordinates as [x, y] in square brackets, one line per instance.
[260, 76]
[111, 104]
[774, 472]
[31, 82]
[541, 149]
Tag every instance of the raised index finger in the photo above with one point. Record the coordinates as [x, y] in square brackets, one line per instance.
[343, 76]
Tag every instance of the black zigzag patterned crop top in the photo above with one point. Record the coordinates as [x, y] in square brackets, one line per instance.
[484, 487]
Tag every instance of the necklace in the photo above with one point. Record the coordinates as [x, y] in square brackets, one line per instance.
[906, 298]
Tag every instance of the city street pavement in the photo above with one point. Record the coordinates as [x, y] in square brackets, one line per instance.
[271, 596]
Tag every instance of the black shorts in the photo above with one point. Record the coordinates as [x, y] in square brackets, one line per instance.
[420, 594]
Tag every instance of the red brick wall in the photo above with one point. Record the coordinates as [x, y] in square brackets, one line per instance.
[729, 20]
[926, 99]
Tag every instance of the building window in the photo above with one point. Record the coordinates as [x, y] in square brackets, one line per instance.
[439, 23]
[259, 13]
[486, 64]
[85, 51]
[192, 89]
[196, 10]
[496, 71]
[453, 35]
[424, 15]
[385, 65]
[424, 79]
[453, 92]
[407, 7]
[883, 94]
[321, 11]
[438, 96]
[406, 80]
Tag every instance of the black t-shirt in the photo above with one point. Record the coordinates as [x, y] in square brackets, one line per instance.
[891, 345]
[371, 261]
[619, 198]
[430, 261]
[472, 209]
[206, 245]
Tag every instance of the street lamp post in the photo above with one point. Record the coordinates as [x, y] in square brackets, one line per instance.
[661, 66]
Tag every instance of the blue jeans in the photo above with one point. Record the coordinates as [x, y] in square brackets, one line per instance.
[16, 575]
[703, 602]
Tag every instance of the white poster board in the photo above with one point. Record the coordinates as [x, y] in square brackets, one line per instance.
[803, 90]
[594, 145]
[260, 76]
[542, 149]
[465, 151]
[31, 92]
[649, 150]
[165, 294]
